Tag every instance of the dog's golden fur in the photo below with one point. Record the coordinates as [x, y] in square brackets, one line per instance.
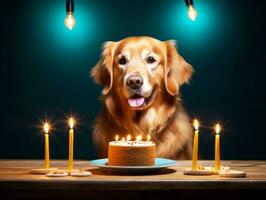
[163, 117]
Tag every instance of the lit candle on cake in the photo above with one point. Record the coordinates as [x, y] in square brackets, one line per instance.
[46, 128]
[148, 137]
[71, 144]
[116, 138]
[138, 139]
[128, 137]
[217, 165]
[195, 146]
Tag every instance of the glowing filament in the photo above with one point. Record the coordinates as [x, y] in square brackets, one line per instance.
[70, 21]
[192, 13]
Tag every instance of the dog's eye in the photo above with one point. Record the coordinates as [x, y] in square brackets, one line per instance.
[150, 60]
[122, 61]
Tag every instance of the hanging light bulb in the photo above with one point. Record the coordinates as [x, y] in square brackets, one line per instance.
[191, 12]
[70, 21]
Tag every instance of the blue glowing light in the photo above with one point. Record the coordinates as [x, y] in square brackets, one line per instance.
[79, 34]
[51, 21]
[207, 25]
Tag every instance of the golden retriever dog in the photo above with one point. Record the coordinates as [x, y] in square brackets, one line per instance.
[141, 77]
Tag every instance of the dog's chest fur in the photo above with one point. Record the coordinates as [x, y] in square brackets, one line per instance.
[154, 119]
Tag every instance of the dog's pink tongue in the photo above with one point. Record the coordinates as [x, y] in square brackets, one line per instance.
[136, 102]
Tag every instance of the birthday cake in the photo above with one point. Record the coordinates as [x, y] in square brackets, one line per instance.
[131, 153]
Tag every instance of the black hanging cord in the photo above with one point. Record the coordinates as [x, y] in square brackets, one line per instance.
[70, 6]
[189, 2]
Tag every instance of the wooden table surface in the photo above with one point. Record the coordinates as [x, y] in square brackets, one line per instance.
[14, 175]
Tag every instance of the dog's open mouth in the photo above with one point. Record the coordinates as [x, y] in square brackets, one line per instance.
[137, 101]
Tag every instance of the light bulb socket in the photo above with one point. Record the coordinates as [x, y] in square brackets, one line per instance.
[189, 2]
[70, 6]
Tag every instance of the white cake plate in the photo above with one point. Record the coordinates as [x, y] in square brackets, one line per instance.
[160, 163]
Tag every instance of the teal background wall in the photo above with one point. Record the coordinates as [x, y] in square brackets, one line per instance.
[45, 69]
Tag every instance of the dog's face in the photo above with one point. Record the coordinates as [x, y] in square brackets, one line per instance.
[138, 71]
[140, 68]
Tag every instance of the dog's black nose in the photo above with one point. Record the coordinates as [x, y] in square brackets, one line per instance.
[134, 82]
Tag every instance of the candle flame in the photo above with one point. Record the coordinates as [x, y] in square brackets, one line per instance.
[196, 124]
[128, 137]
[217, 128]
[139, 137]
[123, 139]
[148, 137]
[71, 122]
[46, 127]
[116, 137]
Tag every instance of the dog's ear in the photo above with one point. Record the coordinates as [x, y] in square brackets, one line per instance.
[176, 70]
[102, 72]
